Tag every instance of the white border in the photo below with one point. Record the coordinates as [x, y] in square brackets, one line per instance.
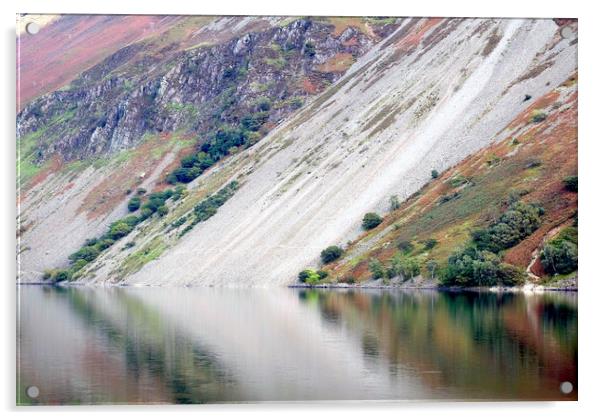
[590, 156]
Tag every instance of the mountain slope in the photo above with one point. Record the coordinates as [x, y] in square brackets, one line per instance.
[428, 95]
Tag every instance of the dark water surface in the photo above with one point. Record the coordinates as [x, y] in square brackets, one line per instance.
[169, 345]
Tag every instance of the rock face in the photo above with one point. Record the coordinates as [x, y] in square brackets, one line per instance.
[111, 106]
[430, 93]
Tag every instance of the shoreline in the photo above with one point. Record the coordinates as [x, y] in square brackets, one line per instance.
[494, 289]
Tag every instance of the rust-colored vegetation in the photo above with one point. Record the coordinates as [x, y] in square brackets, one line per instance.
[530, 162]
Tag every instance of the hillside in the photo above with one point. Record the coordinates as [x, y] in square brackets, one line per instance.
[529, 164]
[251, 144]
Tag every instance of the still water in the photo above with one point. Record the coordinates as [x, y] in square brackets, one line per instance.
[169, 345]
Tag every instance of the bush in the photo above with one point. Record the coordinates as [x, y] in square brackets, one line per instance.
[371, 220]
[538, 116]
[431, 268]
[474, 267]
[376, 268]
[560, 255]
[405, 246]
[162, 210]
[309, 276]
[134, 204]
[331, 254]
[430, 243]
[570, 183]
[309, 50]
[394, 202]
[119, 229]
[518, 222]
[86, 253]
[434, 174]
[322, 274]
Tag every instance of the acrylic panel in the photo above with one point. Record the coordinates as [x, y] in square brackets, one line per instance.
[219, 209]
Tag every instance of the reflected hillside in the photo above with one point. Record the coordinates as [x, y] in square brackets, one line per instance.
[199, 345]
[478, 346]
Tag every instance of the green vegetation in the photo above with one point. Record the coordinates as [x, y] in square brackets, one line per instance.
[518, 222]
[474, 267]
[208, 207]
[538, 116]
[570, 183]
[394, 202]
[117, 230]
[371, 220]
[560, 255]
[331, 254]
[478, 264]
[134, 203]
[223, 142]
[434, 174]
[311, 277]
[309, 49]
[376, 268]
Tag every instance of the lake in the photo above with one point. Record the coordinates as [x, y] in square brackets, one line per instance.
[201, 345]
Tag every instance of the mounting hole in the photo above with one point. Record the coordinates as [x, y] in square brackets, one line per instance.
[33, 391]
[32, 28]
[566, 387]
[566, 32]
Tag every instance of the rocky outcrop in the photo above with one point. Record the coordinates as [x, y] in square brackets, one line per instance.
[432, 92]
[111, 106]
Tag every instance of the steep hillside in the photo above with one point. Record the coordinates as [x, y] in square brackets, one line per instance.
[392, 100]
[534, 156]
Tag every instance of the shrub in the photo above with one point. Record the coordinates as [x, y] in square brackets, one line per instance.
[331, 254]
[538, 116]
[141, 191]
[309, 50]
[405, 246]
[119, 229]
[394, 202]
[570, 183]
[515, 224]
[62, 275]
[376, 268]
[145, 213]
[322, 274]
[431, 268]
[434, 174]
[86, 253]
[162, 210]
[430, 243]
[371, 220]
[309, 276]
[474, 267]
[560, 255]
[134, 203]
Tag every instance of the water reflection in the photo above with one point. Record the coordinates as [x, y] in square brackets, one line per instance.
[94, 345]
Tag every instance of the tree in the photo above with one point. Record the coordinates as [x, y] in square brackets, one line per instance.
[474, 267]
[134, 203]
[371, 220]
[162, 210]
[431, 266]
[394, 202]
[559, 257]
[515, 224]
[410, 267]
[330, 254]
[119, 229]
[434, 174]
[309, 276]
[570, 183]
[376, 268]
